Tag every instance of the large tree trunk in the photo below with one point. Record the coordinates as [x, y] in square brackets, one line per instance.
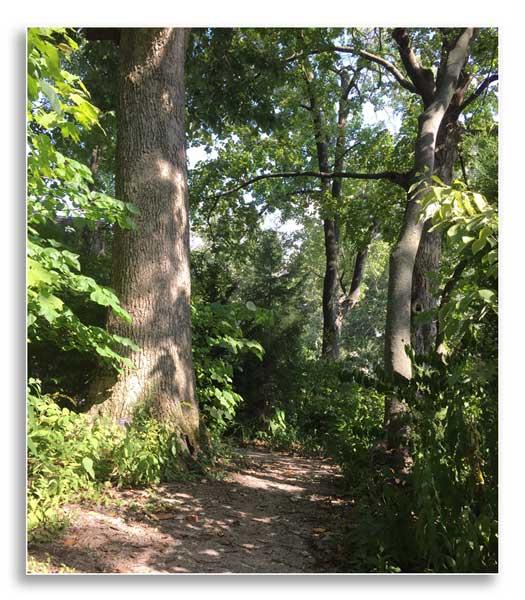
[426, 269]
[402, 259]
[151, 273]
[398, 366]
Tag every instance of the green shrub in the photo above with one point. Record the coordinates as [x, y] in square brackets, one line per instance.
[64, 453]
[329, 413]
[58, 188]
[70, 457]
[146, 454]
[455, 464]
[218, 345]
[442, 517]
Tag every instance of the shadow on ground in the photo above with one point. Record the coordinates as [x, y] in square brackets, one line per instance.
[272, 513]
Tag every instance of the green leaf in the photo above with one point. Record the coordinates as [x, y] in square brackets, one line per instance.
[49, 91]
[49, 306]
[32, 87]
[452, 231]
[487, 295]
[87, 463]
[38, 274]
[478, 245]
[479, 201]
[46, 120]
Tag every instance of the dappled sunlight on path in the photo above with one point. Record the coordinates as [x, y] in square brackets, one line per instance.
[271, 513]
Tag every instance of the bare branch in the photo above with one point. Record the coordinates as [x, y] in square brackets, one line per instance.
[463, 168]
[348, 150]
[479, 90]
[342, 284]
[401, 179]
[379, 60]
[351, 84]
[305, 191]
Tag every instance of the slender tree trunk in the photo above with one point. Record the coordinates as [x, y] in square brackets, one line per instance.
[331, 291]
[151, 273]
[351, 297]
[335, 305]
[428, 259]
[330, 347]
[402, 259]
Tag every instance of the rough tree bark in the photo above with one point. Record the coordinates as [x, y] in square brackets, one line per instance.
[151, 273]
[402, 259]
[437, 98]
[428, 259]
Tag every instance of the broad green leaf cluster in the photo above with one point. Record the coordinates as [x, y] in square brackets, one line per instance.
[471, 227]
[60, 193]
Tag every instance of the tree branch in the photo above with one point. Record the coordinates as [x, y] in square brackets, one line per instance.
[348, 150]
[94, 34]
[390, 67]
[401, 179]
[379, 60]
[422, 79]
[463, 168]
[479, 90]
[351, 84]
[305, 191]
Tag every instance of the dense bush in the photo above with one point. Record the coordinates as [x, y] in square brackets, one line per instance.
[70, 458]
[455, 471]
[218, 346]
[329, 412]
[62, 453]
[442, 517]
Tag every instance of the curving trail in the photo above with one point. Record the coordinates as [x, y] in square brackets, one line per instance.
[271, 513]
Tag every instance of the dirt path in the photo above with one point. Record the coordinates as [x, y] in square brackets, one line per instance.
[272, 513]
